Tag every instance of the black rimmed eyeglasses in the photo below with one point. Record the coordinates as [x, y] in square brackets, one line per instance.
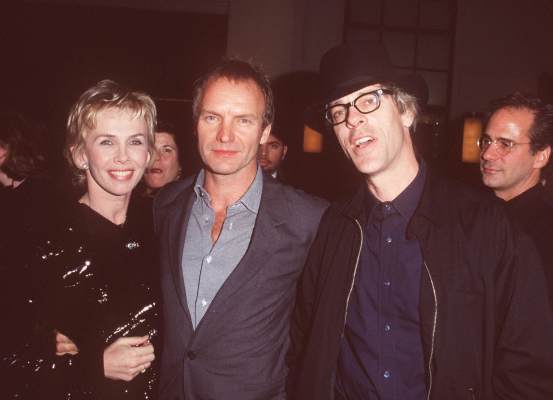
[365, 103]
[503, 146]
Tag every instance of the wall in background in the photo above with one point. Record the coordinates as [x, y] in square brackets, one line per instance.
[284, 35]
[501, 46]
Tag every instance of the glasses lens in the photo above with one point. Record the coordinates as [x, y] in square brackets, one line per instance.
[484, 142]
[367, 102]
[504, 146]
[336, 114]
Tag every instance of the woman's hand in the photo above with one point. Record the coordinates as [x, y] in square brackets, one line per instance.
[127, 357]
[64, 345]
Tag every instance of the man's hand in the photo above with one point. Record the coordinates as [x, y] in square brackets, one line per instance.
[64, 345]
[127, 357]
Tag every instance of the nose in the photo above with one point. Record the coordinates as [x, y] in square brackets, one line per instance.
[225, 134]
[121, 156]
[490, 153]
[263, 151]
[157, 155]
[353, 117]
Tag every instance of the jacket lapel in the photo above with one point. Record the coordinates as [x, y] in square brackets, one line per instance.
[178, 217]
[266, 236]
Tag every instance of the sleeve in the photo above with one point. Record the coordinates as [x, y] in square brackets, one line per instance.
[303, 310]
[37, 363]
[523, 364]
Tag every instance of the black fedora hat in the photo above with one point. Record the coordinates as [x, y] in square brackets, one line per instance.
[351, 66]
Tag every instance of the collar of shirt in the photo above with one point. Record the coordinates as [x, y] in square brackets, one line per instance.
[251, 199]
[407, 201]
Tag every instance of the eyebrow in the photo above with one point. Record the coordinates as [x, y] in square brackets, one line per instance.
[111, 135]
[207, 111]
[499, 137]
[251, 116]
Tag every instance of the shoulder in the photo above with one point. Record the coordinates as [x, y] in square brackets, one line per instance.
[172, 191]
[63, 236]
[444, 198]
[301, 204]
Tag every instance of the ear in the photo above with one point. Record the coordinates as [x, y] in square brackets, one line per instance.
[265, 134]
[542, 157]
[78, 155]
[407, 118]
[284, 151]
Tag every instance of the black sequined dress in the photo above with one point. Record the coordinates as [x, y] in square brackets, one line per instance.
[95, 282]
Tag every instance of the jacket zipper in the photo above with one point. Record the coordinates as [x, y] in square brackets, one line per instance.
[354, 274]
[435, 322]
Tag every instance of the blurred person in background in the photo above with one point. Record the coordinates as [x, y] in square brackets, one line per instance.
[515, 162]
[26, 197]
[271, 154]
[166, 166]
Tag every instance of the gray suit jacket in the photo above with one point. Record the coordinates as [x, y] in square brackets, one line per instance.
[238, 349]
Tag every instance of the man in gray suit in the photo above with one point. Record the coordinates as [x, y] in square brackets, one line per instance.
[232, 245]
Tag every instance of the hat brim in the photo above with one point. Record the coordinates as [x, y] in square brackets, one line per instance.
[412, 83]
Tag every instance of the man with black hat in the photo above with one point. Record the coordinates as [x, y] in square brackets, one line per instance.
[417, 287]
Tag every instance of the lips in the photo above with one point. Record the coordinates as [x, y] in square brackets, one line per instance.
[121, 174]
[225, 153]
[155, 171]
[362, 142]
[489, 170]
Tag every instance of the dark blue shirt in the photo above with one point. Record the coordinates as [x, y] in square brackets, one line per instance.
[381, 353]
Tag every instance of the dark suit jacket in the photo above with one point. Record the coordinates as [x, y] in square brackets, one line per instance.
[238, 349]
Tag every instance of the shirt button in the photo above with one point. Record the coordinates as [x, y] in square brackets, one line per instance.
[204, 302]
[387, 328]
[387, 283]
[208, 259]
[387, 207]
[386, 374]
[191, 355]
[388, 240]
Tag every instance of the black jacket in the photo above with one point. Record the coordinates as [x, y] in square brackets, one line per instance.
[95, 282]
[533, 211]
[486, 327]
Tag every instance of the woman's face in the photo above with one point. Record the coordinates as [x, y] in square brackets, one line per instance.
[115, 153]
[166, 167]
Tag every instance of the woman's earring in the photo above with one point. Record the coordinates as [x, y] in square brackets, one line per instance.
[84, 166]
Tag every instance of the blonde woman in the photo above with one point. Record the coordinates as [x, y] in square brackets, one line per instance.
[97, 270]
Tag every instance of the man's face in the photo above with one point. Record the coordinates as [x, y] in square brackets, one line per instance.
[517, 171]
[271, 154]
[377, 142]
[230, 127]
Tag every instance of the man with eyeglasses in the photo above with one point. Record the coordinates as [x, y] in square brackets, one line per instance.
[515, 162]
[416, 287]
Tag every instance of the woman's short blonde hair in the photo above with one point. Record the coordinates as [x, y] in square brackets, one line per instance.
[104, 95]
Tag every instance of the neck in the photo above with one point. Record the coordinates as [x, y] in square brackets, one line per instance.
[389, 184]
[113, 208]
[225, 190]
[511, 193]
